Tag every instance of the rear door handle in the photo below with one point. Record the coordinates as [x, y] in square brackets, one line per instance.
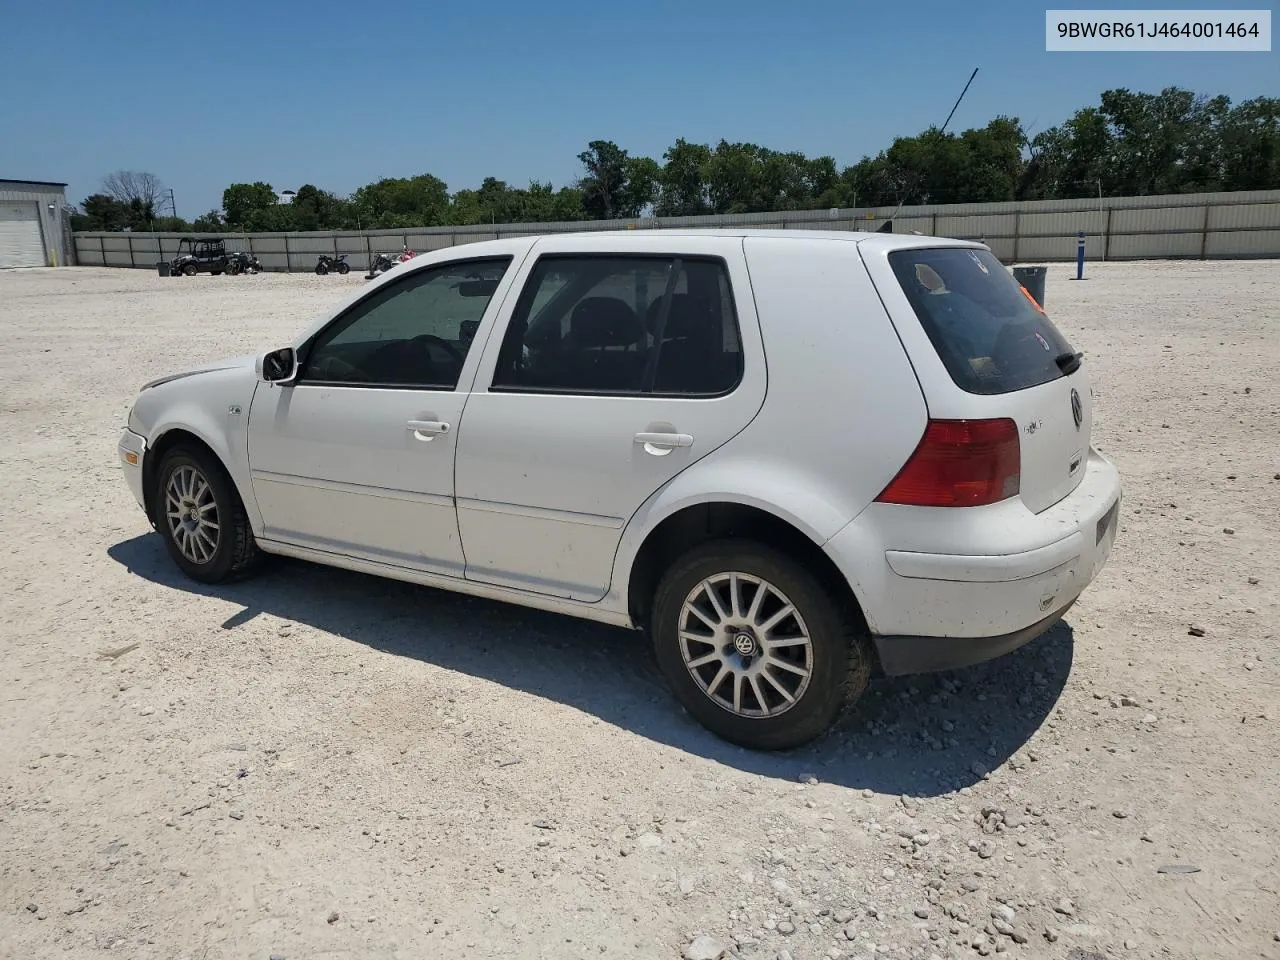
[426, 429]
[660, 444]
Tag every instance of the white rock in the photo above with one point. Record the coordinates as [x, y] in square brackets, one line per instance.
[705, 948]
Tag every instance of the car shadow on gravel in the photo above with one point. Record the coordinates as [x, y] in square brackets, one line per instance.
[919, 736]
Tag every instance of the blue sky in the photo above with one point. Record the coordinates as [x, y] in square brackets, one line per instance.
[341, 93]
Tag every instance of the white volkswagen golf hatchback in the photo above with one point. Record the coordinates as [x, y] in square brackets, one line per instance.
[790, 457]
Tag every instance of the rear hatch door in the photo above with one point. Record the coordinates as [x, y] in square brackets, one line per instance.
[983, 348]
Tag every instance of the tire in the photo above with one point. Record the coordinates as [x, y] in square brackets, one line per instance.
[344, 268]
[321, 269]
[189, 269]
[198, 480]
[837, 656]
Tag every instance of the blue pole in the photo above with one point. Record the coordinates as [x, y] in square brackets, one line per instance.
[1080, 255]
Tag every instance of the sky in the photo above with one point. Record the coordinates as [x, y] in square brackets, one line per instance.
[339, 94]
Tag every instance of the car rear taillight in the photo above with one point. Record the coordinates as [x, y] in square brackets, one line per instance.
[959, 463]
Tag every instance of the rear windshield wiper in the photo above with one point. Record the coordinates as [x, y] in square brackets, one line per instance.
[1068, 362]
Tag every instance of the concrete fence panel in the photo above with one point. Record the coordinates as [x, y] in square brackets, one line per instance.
[1244, 224]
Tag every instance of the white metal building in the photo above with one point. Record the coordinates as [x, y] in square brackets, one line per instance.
[34, 225]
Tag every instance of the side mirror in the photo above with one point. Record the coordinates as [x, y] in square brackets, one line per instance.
[278, 366]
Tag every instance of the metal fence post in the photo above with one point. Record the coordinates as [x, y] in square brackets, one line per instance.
[1106, 237]
[1204, 234]
[1017, 233]
[288, 260]
[102, 250]
[129, 240]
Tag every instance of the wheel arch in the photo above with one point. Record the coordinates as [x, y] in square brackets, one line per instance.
[172, 435]
[688, 526]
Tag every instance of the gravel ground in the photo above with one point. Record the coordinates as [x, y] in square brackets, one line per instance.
[317, 763]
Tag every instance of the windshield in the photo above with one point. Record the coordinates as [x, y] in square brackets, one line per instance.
[989, 333]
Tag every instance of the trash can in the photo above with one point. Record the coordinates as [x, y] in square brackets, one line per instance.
[1033, 279]
[162, 267]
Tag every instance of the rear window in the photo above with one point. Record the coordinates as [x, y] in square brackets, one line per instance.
[989, 334]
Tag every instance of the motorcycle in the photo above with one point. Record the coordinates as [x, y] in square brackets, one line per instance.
[243, 263]
[337, 264]
[381, 264]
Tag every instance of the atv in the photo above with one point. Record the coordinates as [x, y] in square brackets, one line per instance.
[241, 262]
[335, 264]
[199, 256]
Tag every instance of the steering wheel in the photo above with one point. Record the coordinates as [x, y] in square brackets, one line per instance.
[445, 345]
[335, 368]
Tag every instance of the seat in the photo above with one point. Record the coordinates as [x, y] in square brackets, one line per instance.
[606, 348]
[691, 357]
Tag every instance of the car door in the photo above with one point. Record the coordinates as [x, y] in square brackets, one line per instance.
[355, 456]
[614, 371]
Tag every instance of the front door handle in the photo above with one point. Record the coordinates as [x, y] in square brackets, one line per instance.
[660, 444]
[426, 429]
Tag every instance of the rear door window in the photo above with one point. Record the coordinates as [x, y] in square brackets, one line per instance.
[645, 325]
[989, 333]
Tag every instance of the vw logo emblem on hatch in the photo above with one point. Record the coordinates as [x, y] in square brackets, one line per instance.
[1077, 408]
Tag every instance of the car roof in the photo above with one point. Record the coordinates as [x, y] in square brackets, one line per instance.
[890, 240]
[589, 239]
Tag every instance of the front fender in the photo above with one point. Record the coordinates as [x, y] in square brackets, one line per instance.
[213, 407]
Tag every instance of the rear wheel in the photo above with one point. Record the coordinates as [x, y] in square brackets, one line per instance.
[344, 268]
[321, 269]
[758, 649]
[190, 269]
[201, 517]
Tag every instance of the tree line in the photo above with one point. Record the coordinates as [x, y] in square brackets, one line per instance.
[1129, 144]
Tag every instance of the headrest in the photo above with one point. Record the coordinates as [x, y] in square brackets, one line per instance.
[605, 322]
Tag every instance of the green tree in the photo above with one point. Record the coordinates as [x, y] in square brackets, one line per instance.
[242, 201]
[640, 192]
[316, 209]
[99, 211]
[683, 180]
[1250, 145]
[421, 201]
[733, 177]
[604, 188]
[210, 222]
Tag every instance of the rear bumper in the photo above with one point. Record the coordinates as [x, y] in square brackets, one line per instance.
[133, 449]
[944, 588]
[906, 655]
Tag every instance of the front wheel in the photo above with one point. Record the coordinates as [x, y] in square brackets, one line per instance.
[344, 268]
[201, 517]
[190, 270]
[758, 649]
[321, 269]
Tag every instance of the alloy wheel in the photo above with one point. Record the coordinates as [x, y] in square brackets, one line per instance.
[745, 644]
[192, 514]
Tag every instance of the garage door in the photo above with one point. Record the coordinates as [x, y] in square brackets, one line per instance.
[20, 241]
